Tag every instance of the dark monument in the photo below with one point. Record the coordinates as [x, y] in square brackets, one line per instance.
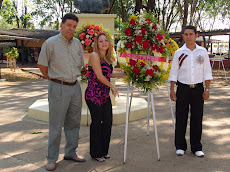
[91, 6]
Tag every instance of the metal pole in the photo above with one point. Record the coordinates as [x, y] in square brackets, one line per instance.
[126, 123]
[148, 113]
[155, 127]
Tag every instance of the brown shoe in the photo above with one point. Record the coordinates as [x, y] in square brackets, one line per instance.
[75, 158]
[50, 166]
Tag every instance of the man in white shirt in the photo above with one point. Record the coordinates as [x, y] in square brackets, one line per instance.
[190, 68]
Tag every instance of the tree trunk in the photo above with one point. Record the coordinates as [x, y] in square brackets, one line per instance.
[122, 11]
[138, 6]
[0, 4]
[111, 7]
[185, 17]
[151, 5]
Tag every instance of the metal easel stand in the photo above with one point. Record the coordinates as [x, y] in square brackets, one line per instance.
[170, 102]
[128, 107]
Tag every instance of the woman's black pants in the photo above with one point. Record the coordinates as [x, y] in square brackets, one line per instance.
[100, 128]
[186, 97]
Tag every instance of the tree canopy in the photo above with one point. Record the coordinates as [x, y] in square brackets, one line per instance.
[173, 15]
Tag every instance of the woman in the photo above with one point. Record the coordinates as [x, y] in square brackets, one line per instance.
[97, 97]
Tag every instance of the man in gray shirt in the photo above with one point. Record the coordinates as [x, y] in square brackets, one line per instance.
[60, 61]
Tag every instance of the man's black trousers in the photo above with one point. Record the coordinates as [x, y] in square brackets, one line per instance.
[189, 99]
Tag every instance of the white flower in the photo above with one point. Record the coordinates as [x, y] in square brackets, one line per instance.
[82, 42]
[87, 36]
[158, 73]
[147, 78]
[165, 66]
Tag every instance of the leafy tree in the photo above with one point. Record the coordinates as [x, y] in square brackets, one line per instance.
[51, 11]
[10, 13]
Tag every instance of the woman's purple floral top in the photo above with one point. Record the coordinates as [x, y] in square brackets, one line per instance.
[96, 91]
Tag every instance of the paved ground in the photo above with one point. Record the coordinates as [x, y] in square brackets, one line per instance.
[21, 151]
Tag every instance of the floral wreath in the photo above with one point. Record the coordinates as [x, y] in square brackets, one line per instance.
[142, 35]
[86, 34]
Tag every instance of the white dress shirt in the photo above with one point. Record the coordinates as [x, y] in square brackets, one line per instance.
[194, 68]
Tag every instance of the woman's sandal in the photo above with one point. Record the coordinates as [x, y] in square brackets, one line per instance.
[106, 156]
[100, 159]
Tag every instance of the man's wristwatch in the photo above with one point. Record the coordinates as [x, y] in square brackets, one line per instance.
[207, 89]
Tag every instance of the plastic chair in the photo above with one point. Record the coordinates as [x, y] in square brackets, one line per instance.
[220, 60]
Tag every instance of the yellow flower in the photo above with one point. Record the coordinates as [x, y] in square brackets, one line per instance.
[134, 17]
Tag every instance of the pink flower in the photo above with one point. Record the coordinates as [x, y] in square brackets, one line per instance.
[91, 32]
[97, 27]
[101, 31]
[87, 42]
[82, 35]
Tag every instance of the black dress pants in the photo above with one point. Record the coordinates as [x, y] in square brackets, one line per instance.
[189, 99]
[100, 128]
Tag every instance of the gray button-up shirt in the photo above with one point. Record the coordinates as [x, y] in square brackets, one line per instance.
[64, 59]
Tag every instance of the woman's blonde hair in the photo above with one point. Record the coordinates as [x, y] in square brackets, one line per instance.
[109, 50]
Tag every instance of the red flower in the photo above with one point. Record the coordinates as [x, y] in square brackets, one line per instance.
[132, 22]
[155, 26]
[143, 31]
[148, 21]
[101, 31]
[136, 70]
[149, 72]
[142, 64]
[138, 39]
[155, 68]
[87, 73]
[146, 44]
[128, 31]
[132, 62]
[159, 37]
[155, 47]
[129, 45]
[87, 42]
[161, 49]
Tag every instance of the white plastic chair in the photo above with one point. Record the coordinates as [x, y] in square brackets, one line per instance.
[220, 60]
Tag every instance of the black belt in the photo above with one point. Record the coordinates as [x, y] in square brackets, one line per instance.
[189, 85]
[63, 82]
